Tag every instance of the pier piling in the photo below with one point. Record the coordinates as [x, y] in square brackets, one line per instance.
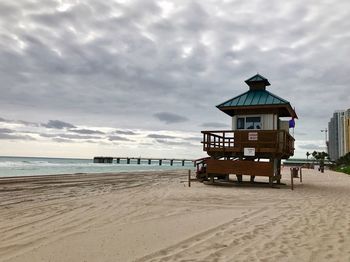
[138, 160]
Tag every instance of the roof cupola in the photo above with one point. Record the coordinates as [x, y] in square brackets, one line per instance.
[257, 82]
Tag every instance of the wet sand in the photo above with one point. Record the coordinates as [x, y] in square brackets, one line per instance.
[157, 217]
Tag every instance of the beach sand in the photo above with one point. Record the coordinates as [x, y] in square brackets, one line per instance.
[157, 217]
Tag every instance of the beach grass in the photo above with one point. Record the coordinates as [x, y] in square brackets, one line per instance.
[344, 169]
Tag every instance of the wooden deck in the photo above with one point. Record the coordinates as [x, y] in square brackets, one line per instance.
[267, 143]
[239, 167]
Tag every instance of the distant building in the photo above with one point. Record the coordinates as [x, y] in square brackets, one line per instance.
[339, 134]
[347, 131]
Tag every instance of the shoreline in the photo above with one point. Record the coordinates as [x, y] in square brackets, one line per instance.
[155, 216]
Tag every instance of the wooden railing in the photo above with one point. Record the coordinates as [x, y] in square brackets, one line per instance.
[269, 141]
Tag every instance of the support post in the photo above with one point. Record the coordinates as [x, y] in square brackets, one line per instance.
[171, 162]
[160, 162]
[139, 161]
[189, 178]
[183, 162]
[291, 179]
[301, 175]
[118, 160]
[279, 171]
[149, 161]
[128, 161]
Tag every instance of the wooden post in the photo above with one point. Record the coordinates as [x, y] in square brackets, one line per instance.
[139, 161]
[171, 162]
[118, 160]
[291, 178]
[128, 160]
[189, 178]
[183, 162]
[301, 176]
[149, 161]
[160, 162]
[279, 171]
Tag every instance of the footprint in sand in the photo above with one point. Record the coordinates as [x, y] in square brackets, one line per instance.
[329, 256]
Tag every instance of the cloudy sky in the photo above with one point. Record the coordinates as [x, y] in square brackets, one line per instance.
[142, 78]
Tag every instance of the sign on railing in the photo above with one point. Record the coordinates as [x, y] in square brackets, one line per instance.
[249, 151]
[253, 136]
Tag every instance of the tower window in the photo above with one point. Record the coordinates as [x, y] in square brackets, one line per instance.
[249, 122]
[240, 123]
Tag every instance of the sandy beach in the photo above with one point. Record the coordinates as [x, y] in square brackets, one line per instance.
[157, 217]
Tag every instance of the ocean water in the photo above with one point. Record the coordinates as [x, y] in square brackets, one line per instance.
[29, 166]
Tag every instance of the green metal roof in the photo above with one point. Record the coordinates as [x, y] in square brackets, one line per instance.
[254, 98]
[257, 99]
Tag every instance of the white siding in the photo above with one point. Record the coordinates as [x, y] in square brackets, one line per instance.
[284, 125]
[268, 122]
[234, 122]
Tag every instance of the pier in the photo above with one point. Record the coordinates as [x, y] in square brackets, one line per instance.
[138, 160]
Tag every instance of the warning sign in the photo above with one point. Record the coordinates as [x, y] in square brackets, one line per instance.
[249, 151]
[253, 136]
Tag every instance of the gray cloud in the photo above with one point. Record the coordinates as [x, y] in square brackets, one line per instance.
[118, 138]
[86, 131]
[57, 124]
[15, 137]
[214, 124]
[161, 136]
[173, 143]
[312, 147]
[48, 135]
[193, 138]
[69, 136]
[124, 132]
[26, 123]
[170, 118]
[62, 140]
[5, 131]
[72, 136]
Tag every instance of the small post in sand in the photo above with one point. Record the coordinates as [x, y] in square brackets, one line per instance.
[189, 178]
[291, 178]
[301, 175]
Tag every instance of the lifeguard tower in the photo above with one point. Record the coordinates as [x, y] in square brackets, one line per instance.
[258, 141]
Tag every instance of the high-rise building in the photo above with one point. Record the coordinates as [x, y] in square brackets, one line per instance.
[347, 131]
[339, 134]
